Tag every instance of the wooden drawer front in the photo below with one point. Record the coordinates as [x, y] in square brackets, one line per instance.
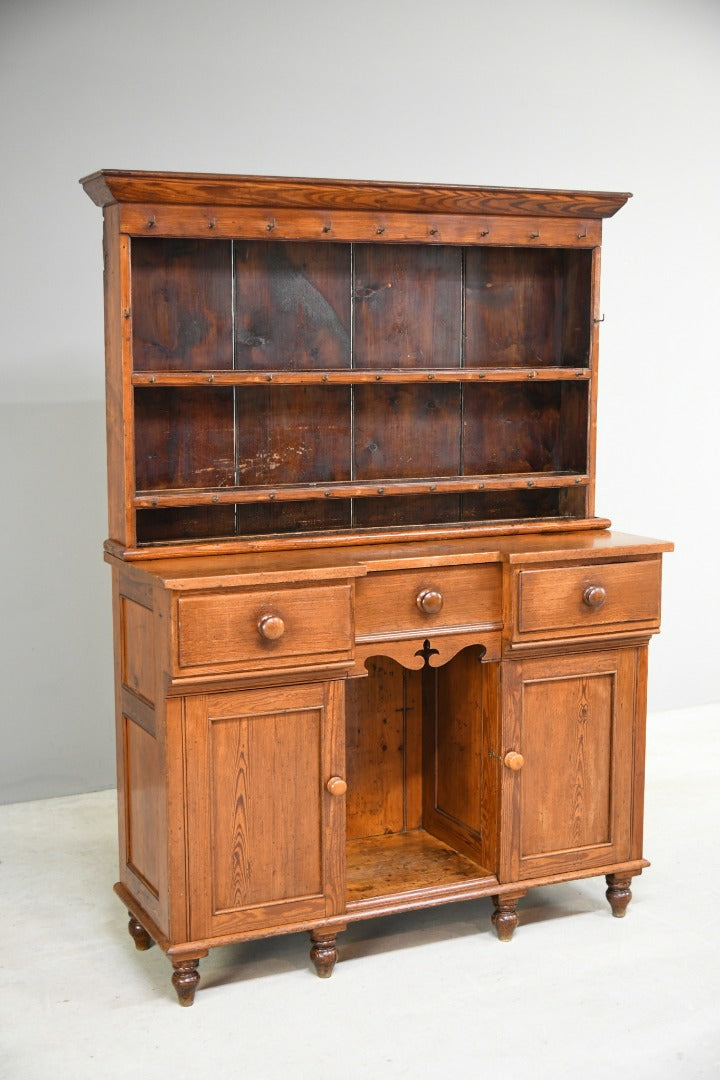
[215, 630]
[559, 599]
[387, 603]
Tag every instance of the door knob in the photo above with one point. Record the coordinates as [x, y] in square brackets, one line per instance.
[336, 785]
[429, 601]
[271, 627]
[513, 760]
[594, 596]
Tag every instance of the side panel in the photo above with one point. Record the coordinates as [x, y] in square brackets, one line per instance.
[142, 796]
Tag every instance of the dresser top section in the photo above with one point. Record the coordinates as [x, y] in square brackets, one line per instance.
[108, 186]
[314, 564]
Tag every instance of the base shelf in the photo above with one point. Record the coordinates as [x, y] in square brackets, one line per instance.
[405, 864]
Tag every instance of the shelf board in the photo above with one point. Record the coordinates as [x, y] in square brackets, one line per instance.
[349, 489]
[353, 377]
[406, 863]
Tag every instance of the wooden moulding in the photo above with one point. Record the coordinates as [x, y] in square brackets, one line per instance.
[231, 546]
[361, 226]
[353, 377]
[203, 189]
[347, 489]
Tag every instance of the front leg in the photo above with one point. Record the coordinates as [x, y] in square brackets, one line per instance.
[618, 893]
[504, 916]
[324, 952]
[185, 978]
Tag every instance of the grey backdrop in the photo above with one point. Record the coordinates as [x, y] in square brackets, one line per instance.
[616, 95]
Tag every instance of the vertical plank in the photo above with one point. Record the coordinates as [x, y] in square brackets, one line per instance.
[181, 304]
[292, 307]
[185, 438]
[509, 428]
[459, 740]
[334, 806]
[118, 393]
[177, 837]
[309, 515]
[594, 306]
[640, 715]
[406, 431]
[517, 504]
[293, 434]
[375, 751]
[526, 307]
[383, 512]
[412, 740]
[407, 306]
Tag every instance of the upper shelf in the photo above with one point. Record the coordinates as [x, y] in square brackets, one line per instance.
[109, 186]
[355, 376]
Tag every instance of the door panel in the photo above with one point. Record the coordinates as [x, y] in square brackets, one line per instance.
[573, 720]
[266, 838]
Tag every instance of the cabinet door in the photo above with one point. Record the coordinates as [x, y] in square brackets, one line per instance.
[578, 722]
[265, 837]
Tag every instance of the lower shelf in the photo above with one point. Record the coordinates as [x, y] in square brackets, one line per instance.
[406, 863]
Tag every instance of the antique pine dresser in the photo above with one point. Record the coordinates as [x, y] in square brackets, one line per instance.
[373, 649]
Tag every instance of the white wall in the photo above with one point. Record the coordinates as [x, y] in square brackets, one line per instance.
[622, 95]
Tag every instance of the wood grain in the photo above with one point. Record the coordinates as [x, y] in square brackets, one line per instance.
[222, 628]
[118, 393]
[407, 306]
[293, 435]
[383, 742]
[405, 863]
[571, 717]
[406, 431]
[185, 438]
[527, 307]
[386, 604]
[182, 304]
[552, 599]
[204, 189]
[516, 428]
[292, 305]
[255, 845]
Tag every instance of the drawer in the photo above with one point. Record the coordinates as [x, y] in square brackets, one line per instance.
[412, 602]
[595, 598]
[255, 629]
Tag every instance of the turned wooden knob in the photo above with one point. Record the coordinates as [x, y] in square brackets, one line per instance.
[336, 785]
[430, 601]
[594, 596]
[271, 627]
[513, 760]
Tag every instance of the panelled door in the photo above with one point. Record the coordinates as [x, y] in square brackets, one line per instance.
[266, 837]
[570, 735]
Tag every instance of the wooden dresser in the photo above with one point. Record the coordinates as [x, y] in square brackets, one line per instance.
[373, 650]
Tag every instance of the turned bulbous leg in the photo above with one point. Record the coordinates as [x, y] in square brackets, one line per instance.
[139, 934]
[185, 979]
[505, 917]
[323, 953]
[618, 893]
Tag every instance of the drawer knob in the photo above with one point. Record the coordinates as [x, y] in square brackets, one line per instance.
[513, 760]
[594, 596]
[271, 627]
[336, 785]
[430, 601]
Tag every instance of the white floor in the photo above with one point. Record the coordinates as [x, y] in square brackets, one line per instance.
[433, 994]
